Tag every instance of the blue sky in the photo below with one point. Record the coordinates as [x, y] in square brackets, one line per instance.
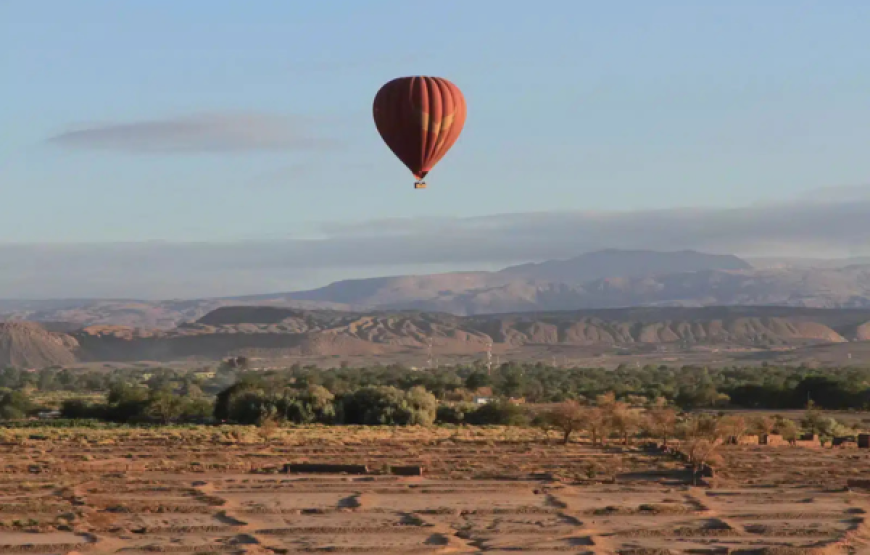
[630, 107]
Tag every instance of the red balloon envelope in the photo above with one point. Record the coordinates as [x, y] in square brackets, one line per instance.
[419, 118]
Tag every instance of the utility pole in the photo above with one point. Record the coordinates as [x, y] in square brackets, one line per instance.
[489, 358]
[429, 355]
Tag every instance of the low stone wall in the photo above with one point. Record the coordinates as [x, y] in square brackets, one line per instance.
[856, 483]
[772, 440]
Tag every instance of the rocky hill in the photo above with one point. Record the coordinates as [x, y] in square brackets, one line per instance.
[29, 345]
[277, 332]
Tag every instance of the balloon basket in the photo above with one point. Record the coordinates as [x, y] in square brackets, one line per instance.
[420, 185]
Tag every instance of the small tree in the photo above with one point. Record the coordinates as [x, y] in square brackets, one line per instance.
[661, 422]
[701, 434]
[624, 421]
[268, 426]
[812, 422]
[165, 405]
[701, 426]
[423, 406]
[788, 430]
[544, 421]
[734, 426]
[701, 452]
[569, 417]
[597, 423]
[14, 405]
[763, 425]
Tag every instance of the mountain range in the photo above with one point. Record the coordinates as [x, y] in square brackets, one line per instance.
[274, 333]
[603, 279]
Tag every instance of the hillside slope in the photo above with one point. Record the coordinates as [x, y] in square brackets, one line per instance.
[29, 345]
[276, 332]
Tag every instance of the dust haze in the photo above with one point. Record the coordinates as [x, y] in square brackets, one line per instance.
[804, 227]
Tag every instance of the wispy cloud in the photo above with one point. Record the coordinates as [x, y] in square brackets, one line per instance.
[170, 270]
[203, 133]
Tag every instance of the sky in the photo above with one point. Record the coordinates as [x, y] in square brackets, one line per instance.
[164, 149]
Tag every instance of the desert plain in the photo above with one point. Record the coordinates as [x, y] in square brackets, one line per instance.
[223, 489]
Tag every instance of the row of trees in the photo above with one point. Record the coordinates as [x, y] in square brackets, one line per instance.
[395, 395]
[609, 417]
[253, 401]
[687, 386]
[130, 403]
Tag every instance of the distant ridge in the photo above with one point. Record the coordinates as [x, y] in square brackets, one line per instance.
[604, 279]
[612, 263]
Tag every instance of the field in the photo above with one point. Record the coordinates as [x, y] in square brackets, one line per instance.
[484, 490]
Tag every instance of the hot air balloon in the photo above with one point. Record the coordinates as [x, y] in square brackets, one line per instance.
[419, 118]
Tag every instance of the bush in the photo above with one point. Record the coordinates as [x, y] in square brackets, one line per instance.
[225, 404]
[453, 414]
[375, 406]
[196, 410]
[498, 413]
[79, 409]
[312, 404]
[423, 407]
[14, 405]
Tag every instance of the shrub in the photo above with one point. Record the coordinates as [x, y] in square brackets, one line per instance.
[422, 405]
[498, 413]
[453, 414]
[375, 406]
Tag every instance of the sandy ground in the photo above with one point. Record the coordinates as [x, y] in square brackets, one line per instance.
[220, 490]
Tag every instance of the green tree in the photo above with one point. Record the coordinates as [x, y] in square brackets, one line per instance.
[787, 429]
[423, 406]
[165, 405]
[375, 406]
[228, 398]
[812, 422]
[313, 403]
[476, 380]
[14, 405]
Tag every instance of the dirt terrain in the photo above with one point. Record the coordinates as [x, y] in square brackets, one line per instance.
[494, 490]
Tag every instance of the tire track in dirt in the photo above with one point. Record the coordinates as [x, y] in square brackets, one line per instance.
[584, 537]
[245, 540]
